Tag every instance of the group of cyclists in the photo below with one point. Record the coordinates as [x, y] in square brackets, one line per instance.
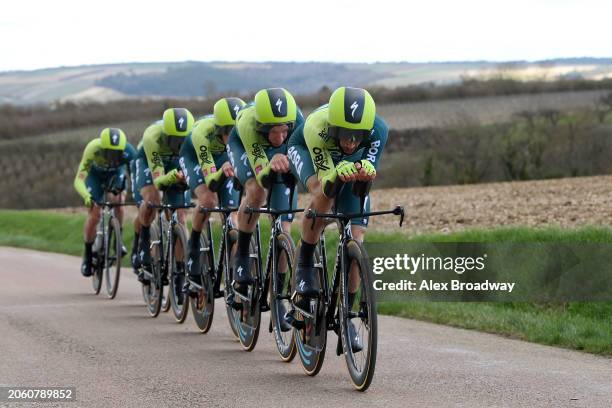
[337, 145]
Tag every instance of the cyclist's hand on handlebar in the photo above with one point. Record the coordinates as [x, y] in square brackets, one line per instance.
[346, 171]
[263, 177]
[88, 201]
[279, 163]
[366, 170]
[227, 169]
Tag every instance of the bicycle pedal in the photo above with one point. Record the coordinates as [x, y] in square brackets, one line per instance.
[219, 294]
[270, 326]
[263, 307]
[290, 318]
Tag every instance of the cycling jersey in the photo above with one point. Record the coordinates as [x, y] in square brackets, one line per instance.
[94, 171]
[250, 151]
[311, 151]
[153, 163]
[202, 155]
[325, 151]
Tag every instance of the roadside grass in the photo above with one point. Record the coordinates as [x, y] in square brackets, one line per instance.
[576, 325]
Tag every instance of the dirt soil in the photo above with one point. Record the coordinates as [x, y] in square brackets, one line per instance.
[569, 203]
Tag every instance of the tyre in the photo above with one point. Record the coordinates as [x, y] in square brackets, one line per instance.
[280, 294]
[311, 340]
[233, 316]
[179, 301]
[112, 257]
[363, 317]
[249, 318]
[203, 305]
[153, 291]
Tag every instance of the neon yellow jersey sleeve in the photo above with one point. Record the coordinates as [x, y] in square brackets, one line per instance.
[206, 147]
[252, 141]
[85, 166]
[315, 134]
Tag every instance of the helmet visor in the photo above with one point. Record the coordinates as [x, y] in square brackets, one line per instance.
[264, 128]
[175, 143]
[348, 135]
[113, 157]
[223, 130]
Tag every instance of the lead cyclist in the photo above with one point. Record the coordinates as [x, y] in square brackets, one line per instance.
[340, 141]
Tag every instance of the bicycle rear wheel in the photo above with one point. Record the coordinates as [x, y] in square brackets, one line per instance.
[153, 291]
[112, 255]
[361, 363]
[280, 295]
[311, 340]
[203, 305]
[178, 299]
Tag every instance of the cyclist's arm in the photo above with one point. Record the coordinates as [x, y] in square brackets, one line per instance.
[205, 158]
[321, 158]
[376, 143]
[154, 160]
[83, 171]
[255, 153]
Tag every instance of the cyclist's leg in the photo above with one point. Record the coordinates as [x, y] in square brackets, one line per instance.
[146, 215]
[302, 167]
[138, 200]
[179, 198]
[253, 196]
[116, 185]
[94, 185]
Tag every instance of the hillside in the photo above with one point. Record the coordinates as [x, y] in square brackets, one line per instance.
[198, 79]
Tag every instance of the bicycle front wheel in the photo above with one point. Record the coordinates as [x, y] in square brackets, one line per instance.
[112, 258]
[233, 315]
[178, 299]
[358, 322]
[153, 290]
[98, 273]
[280, 294]
[203, 305]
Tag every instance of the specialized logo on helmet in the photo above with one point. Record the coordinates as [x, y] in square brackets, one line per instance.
[180, 118]
[114, 137]
[354, 101]
[236, 109]
[278, 99]
[354, 106]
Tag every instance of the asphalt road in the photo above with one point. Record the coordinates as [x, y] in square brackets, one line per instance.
[55, 332]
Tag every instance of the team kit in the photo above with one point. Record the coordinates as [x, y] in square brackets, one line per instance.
[239, 160]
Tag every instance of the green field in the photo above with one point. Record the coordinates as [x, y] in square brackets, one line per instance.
[580, 326]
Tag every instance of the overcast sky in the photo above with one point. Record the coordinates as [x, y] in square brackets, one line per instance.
[38, 34]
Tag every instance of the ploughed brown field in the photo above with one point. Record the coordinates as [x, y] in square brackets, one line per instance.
[570, 202]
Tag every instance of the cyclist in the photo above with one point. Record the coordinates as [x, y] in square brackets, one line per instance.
[103, 168]
[137, 199]
[340, 141]
[258, 145]
[204, 162]
[157, 169]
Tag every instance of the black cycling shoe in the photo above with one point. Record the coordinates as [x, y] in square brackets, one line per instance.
[285, 326]
[177, 282]
[306, 286]
[86, 267]
[193, 263]
[144, 254]
[356, 342]
[242, 274]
